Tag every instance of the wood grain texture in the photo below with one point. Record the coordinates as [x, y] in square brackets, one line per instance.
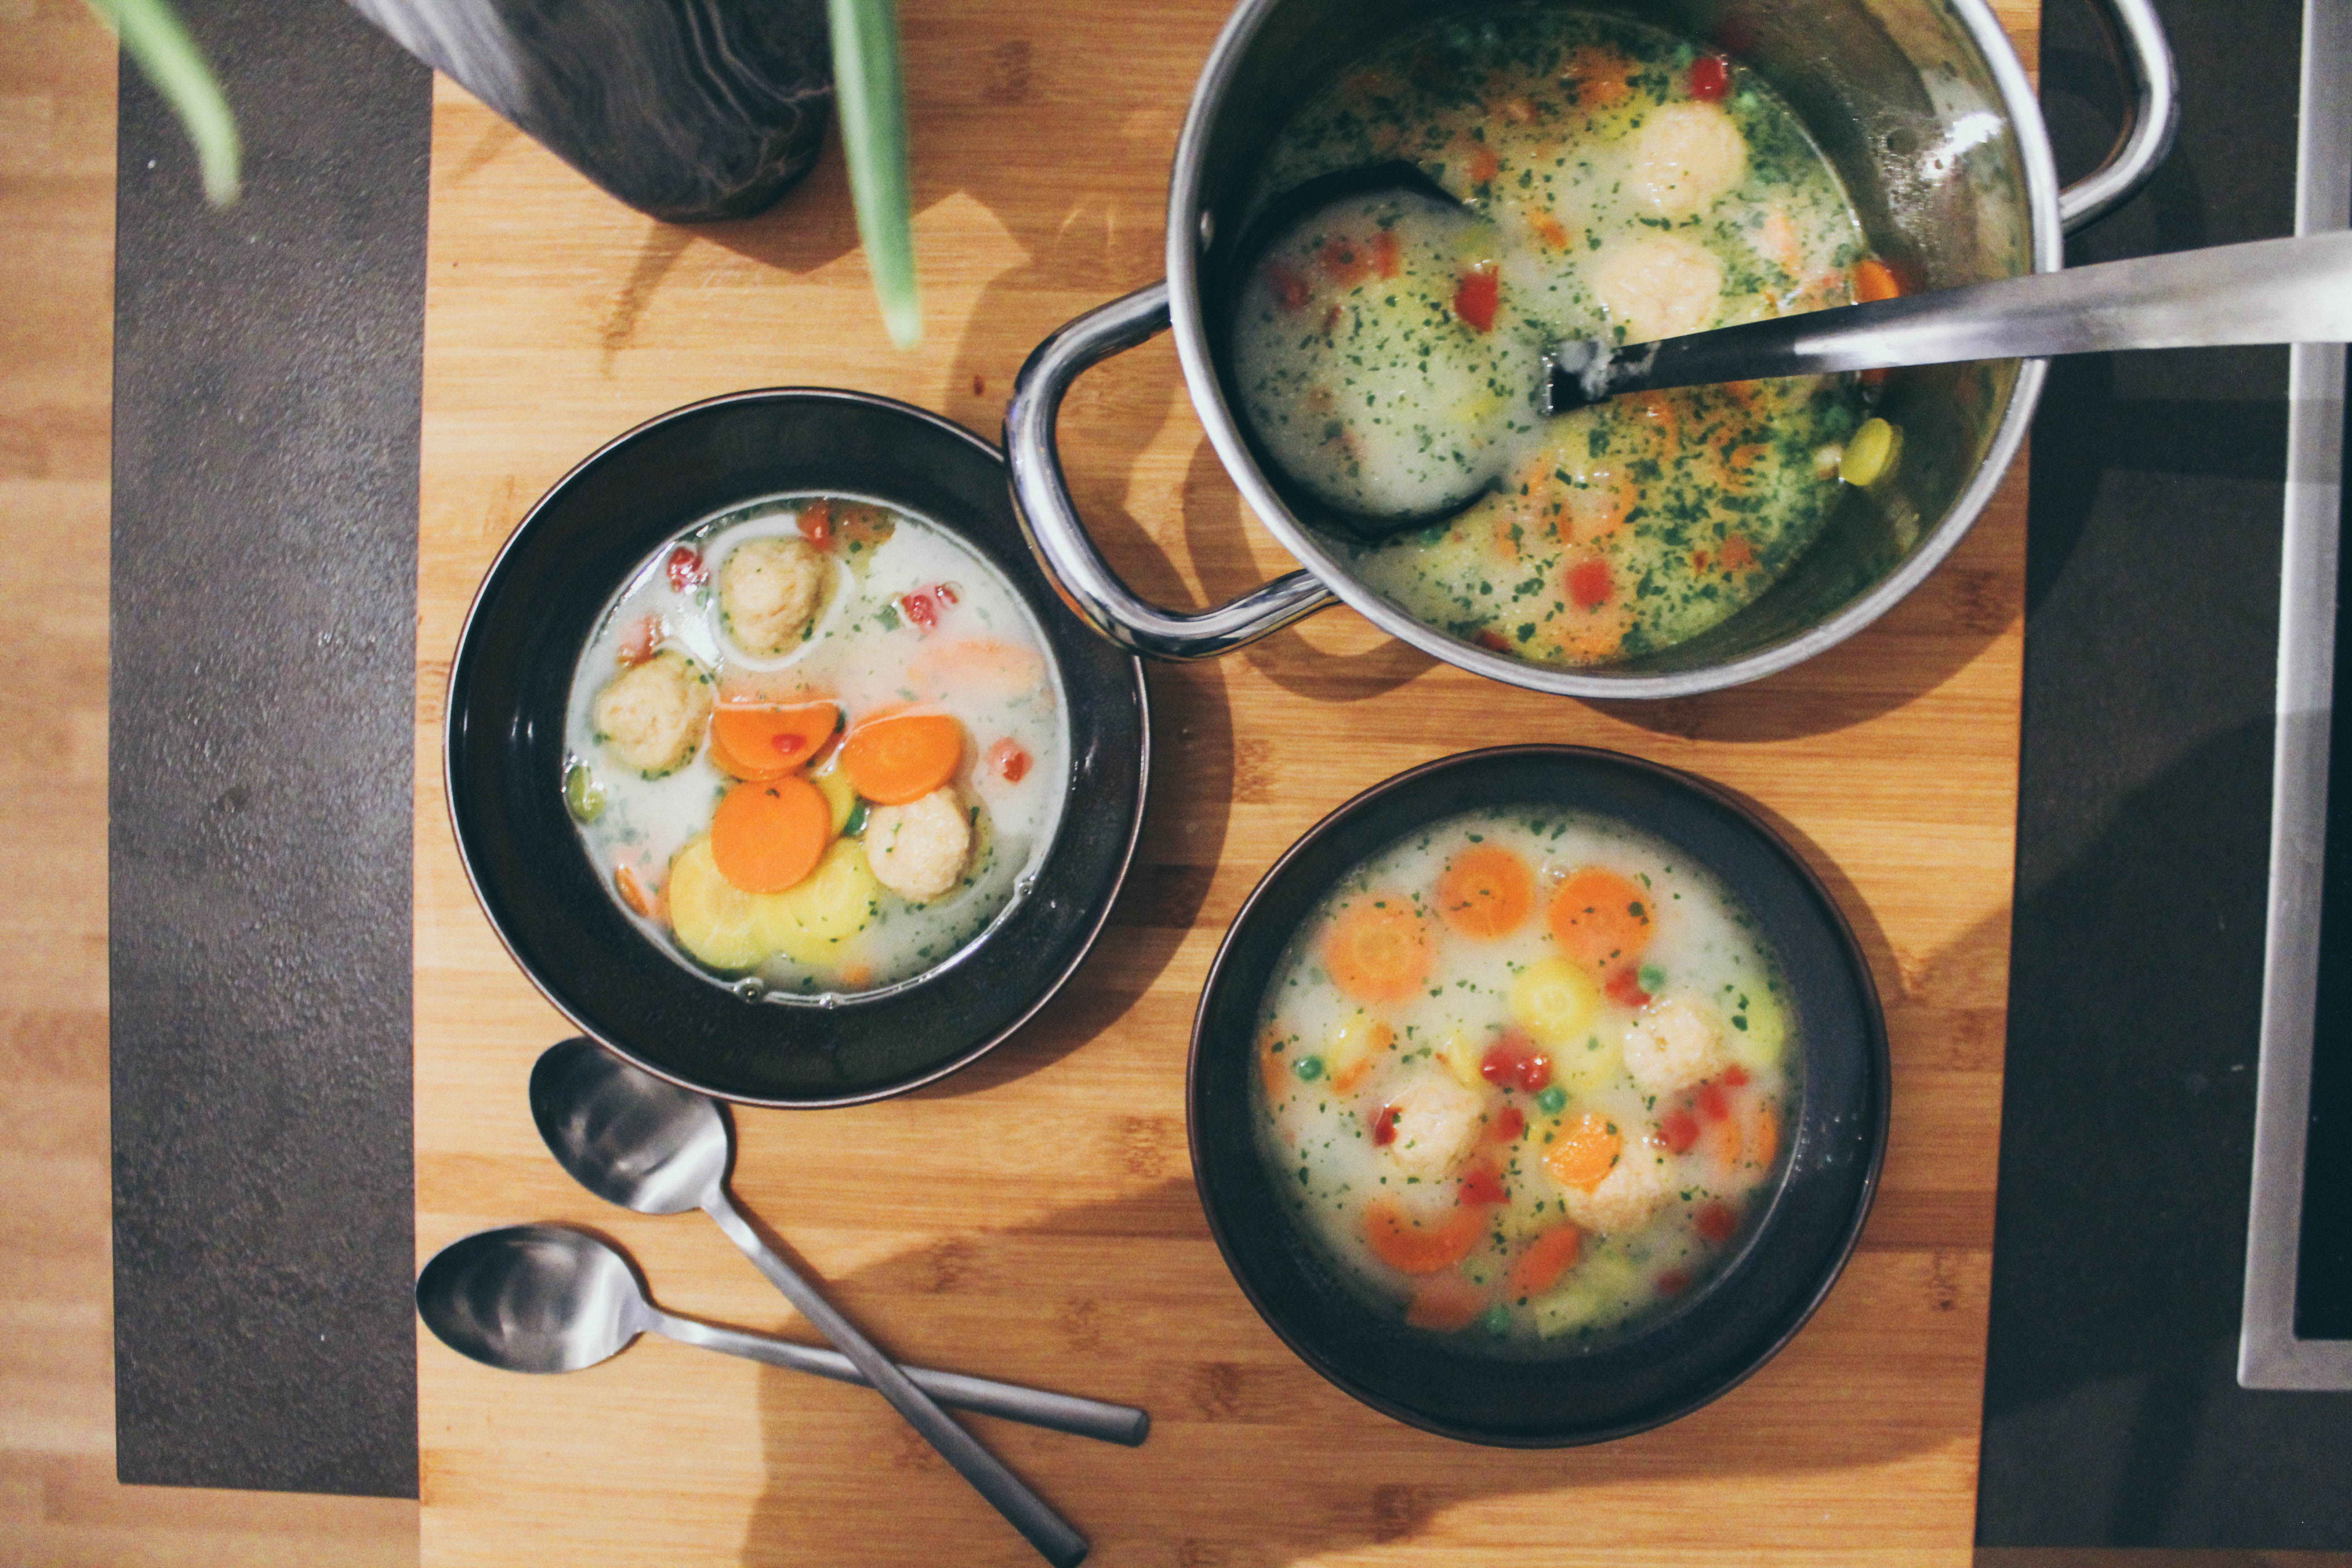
[1033, 1217]
[59, 1503]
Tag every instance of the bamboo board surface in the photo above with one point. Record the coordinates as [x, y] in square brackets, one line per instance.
[1032, 1219]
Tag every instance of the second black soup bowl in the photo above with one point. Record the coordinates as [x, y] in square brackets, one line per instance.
[1696, 1349]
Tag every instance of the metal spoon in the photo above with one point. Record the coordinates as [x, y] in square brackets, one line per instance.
[635, 1141]
[546, 1297]
[2269, 292]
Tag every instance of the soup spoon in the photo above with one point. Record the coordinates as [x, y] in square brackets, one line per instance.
[546, 1297]
[633, 1140]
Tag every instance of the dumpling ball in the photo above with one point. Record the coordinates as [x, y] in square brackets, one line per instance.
[1671, 1048]
[1621, 1203]
[653, 714]
[770, 590]
[918, 850]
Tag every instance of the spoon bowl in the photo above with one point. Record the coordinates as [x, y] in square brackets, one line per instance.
[626, 1135]
[534, 1297]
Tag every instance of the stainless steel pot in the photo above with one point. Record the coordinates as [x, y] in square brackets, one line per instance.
[1924, 110]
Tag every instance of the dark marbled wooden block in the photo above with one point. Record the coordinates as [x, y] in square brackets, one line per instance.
[686, 110]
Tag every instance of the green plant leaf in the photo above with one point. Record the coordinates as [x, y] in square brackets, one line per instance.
[873, 98]
[151, 34]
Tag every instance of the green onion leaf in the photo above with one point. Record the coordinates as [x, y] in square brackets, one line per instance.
[152, 37]
[873, 98]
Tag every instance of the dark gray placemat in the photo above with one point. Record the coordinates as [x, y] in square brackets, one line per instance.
[269, 364]
[2113, 1417]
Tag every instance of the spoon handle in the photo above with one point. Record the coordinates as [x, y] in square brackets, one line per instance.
[1057, 1412]
[1055, 1539]
[2269, 292]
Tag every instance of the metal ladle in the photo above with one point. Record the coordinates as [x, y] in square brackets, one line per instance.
[546, 1297]
[2266, 291]
[633, 1140]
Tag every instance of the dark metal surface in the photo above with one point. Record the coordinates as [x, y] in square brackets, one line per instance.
[2111, 1412]
[267, 369]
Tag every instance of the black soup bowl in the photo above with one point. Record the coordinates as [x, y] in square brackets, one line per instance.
[508, 689]
[1699, 1345]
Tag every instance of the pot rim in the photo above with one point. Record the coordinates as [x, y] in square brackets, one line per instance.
[1191, 330]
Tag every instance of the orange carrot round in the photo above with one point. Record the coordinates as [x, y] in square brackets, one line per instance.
[903, 756]
[769, 740]
[1446, 1304]
[1601, 919]
[1378, 952]
[1416, 1249]
[766, 836]
[1584, 1153]
[1485, 892]
[1548, 1256]
[1873, 280]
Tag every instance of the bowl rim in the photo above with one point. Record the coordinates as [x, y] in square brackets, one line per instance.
[519, 539]
[1874, 1045]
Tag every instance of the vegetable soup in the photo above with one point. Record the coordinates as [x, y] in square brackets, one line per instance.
[1621, 184]
[817, 746]
[1524, 1075]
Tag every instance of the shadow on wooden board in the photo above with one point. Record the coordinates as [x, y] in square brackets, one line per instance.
[1254, 1460]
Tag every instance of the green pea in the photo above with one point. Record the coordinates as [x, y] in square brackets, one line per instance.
[1552, 1102]
[858, 812]
[1308, 1069]
[1653, 978]
[1497, 1321]
[581, 793]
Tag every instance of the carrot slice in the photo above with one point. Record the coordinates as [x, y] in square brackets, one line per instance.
[1763, 1134]
[903, 756]
[766, 836]
[1485, 892]
[1584, 1153]
[981, 665]
[1445, 1305]
[1600, 919]
[1873, 280]
[769, 740]
[1548, 1256]
[1415, 1248]
[1378, 952]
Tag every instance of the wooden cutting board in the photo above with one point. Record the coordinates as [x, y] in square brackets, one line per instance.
[1033, 1218]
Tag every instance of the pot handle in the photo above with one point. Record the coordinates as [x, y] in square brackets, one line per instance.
[2152, 90]
[1049, 519]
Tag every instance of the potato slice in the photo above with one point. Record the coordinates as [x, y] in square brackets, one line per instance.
[716, 921]
[809, 921]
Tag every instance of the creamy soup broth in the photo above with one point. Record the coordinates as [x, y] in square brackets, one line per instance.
[765, 614]
[1525, 1077]
[1627, 184]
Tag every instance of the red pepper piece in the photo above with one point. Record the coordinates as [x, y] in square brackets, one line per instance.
[1477, 296]
[817, 524]
[1508, 1123]
[1481, 1184]
[1625, 988]
[638, 646]
[1008, 762]
[1384, 1126]
[1713, 1104]
[1515, 1062]
[1680, 1130]
[1716, 1222]
[1734, 1077]
[1588, 585]
[1673, 1282]
[1710, 78]
[685, 568]
[1290, 289]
